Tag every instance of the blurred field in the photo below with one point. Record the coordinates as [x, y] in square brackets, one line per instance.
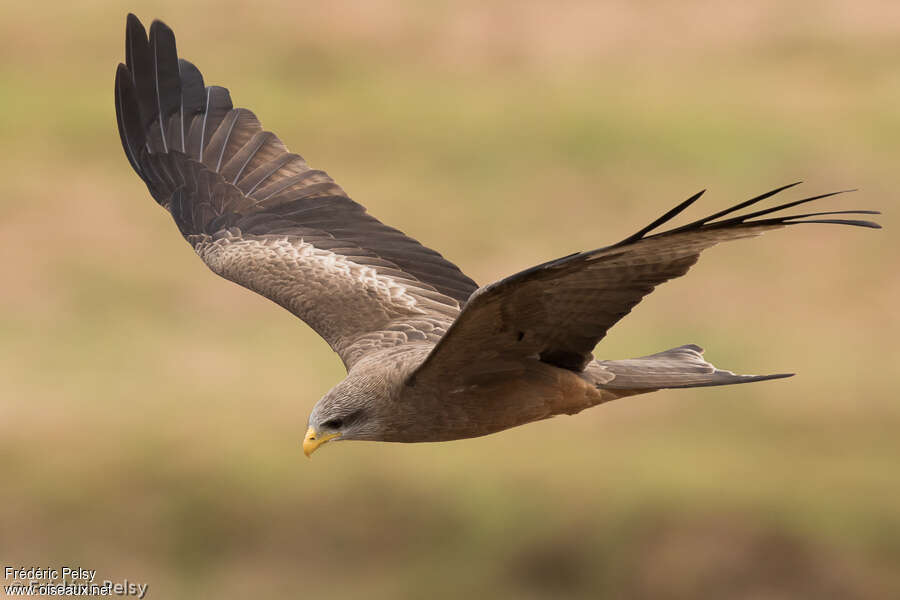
[152, 413]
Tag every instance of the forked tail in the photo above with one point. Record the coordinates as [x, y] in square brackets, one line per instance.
[681, 367]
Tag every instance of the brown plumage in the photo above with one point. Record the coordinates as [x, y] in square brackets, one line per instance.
[430, 356]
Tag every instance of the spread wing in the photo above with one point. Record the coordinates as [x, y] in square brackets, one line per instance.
[559, 310]
[260, 216]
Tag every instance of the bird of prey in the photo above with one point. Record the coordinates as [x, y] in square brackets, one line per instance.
[430, 355]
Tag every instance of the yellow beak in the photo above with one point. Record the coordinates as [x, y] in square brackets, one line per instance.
[314, 440]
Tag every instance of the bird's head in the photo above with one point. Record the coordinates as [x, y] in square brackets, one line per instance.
[348, 412]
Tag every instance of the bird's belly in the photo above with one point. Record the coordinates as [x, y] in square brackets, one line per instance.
[489, 404]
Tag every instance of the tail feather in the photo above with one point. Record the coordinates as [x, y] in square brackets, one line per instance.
[681, 367]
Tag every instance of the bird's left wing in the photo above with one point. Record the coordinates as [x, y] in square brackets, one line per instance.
[260, 216]
[558, 311]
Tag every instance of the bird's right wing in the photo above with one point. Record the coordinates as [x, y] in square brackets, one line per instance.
[261, 217]
[558, 311]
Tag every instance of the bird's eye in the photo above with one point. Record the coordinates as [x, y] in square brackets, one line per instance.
[333, 424]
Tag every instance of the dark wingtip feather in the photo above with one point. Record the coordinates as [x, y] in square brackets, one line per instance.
[166, 77]
[128, 117]
[853, 222]
[191, 78]
[752, 219]
[132, 25]
[747, 217]
[795, 219]
[140, 63]
[193, 94]
[736, 207]
[134, 34]
[707, 220]
[678, 209]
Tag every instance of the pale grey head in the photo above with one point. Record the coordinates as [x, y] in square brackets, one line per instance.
[349, 411]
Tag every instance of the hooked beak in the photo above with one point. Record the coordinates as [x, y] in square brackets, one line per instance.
[314, 440]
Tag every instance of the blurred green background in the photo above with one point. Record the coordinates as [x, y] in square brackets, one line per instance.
[152, 413]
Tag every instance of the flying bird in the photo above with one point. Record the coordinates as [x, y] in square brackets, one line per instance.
[430, 355]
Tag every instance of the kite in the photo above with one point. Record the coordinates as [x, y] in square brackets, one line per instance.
[430, 355]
